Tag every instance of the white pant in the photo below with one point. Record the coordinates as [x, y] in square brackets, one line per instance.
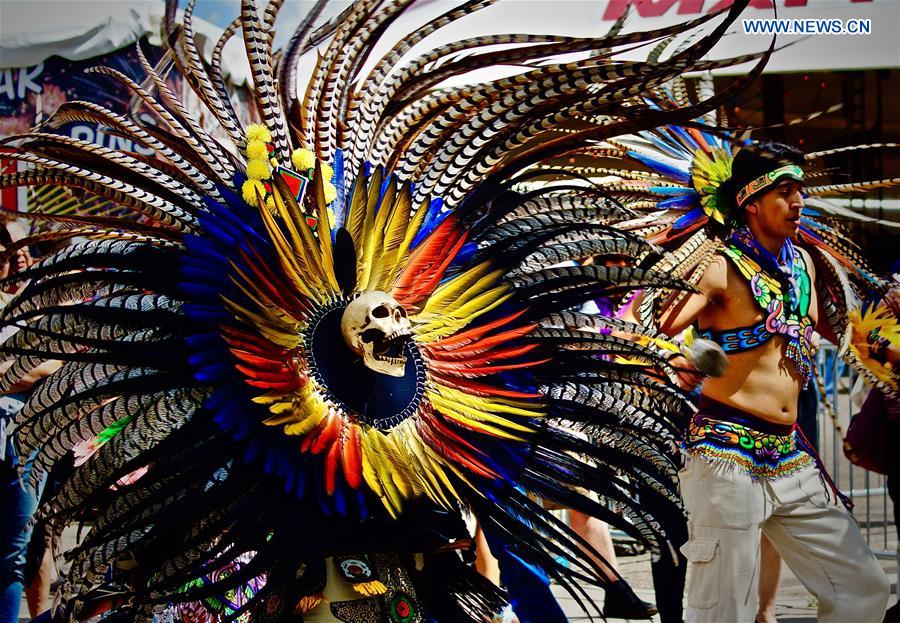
[819, 541]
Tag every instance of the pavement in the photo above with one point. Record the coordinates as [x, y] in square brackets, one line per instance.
[794, 604]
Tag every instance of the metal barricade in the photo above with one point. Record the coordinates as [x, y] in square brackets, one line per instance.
[868, 491]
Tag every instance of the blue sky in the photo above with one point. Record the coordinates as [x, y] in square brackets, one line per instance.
[221, 12]
[218, 12]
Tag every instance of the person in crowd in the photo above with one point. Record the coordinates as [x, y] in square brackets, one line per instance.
[892, 416]
[17, 499]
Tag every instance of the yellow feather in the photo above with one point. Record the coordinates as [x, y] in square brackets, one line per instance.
[476, 417]
[460, 285]
[289, 221]
[275, 332]
[370, 475]
[431, 482]
[268, 399]
[438, 327]
[356, 216]
[391, 498]
[395, 457]
[394, 234]
[498, 405]
[365, 246]
[308, 247]
[286, 256]
[314, 411]
[324, 230]
[411, 230]
[377, 234]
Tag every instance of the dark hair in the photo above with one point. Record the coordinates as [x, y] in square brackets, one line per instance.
[753, 161]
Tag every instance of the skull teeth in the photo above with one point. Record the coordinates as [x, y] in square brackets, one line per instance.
[394, 360]
[396, 334]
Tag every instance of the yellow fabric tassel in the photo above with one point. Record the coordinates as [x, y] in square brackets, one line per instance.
[370, 589]
[308, 603]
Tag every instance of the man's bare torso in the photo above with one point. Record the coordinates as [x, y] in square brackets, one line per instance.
[761, 381]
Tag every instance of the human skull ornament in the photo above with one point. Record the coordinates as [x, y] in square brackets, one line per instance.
[376, 327]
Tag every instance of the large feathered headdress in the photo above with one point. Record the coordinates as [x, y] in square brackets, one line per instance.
[332, 332]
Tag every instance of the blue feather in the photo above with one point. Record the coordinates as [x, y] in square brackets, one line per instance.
[432, 220]
[338, 206]
[687, 138]
[245, 428]
[214, 373]
[228, 415]
[253, 450]
[466, 253]
[207, 314]
[223, 396]
[691, 217]
[671, 190]
[662, 168]
[666, 144]
[682, 201]
[208, 355]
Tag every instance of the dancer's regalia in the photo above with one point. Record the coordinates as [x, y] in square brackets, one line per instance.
[678, 178]
[320, 341]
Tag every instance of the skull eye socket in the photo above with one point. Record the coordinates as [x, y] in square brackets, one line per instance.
[381, 312]
[402, 311]
[370, 335]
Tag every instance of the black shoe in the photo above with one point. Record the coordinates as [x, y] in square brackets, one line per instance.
[893, 614]
[622, 603]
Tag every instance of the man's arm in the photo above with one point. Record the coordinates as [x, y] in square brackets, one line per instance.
[711, 288]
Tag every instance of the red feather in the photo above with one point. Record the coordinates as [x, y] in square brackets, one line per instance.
[281, 375]
[311, 436]
[332, 458]
[351, 457]
[494, 340]
[468, 336]
[440, 439]
[427, 263]
[262, 363]
[329, 434]
[275, 287]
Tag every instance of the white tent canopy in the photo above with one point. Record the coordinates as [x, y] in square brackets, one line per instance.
[30, 32]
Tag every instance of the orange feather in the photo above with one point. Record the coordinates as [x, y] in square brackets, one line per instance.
[351, 457]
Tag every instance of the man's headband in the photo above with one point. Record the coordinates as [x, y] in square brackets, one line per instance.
[769, 179]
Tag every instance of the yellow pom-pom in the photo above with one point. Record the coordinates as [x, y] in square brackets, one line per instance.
[330, 192]
[258, 132]
[258, 169]
[249, 190]
[257, 150]
[327, 172]
[270, 203]
[303, 159]
[332, 219]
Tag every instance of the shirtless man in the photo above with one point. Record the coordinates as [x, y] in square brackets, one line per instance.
[748, 471]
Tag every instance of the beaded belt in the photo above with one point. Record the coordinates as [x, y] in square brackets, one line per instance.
[722, 434]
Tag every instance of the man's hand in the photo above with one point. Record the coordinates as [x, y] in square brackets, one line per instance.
[689, 376]
[892, 299]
